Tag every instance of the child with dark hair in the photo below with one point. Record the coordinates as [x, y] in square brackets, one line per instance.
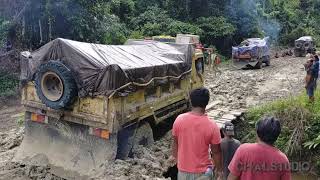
[193, 134]
[261, 160]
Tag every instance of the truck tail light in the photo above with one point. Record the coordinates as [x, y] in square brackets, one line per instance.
[102, 133]
[39, 118]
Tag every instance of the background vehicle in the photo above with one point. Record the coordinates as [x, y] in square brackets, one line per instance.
[87, 103]
[252, 52]
[304, 45]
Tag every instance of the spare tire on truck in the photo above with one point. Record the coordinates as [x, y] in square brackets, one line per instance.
[55, 85]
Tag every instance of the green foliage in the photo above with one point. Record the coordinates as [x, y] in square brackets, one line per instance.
[313, 143]
[152, 15]
[20, 119]
[142, 5]
[292, 36]
[151, 29]
[178, 27]
[136, 35]
[122, 8]
[300, 122]
[114, 32]
[219, 23]
[8, 84]
[178, 9]
[156, 21]
[215, 27]
[4, 26]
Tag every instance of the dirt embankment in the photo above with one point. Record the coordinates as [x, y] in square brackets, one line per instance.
[233, 89]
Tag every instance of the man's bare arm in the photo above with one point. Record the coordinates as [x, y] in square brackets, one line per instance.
[308, 78]
[174, 146]
[217, 156]
[232, 177]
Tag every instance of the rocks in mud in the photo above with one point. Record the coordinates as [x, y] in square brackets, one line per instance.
[11, 139]
[241, 89]
[13, 170]
[147, 163]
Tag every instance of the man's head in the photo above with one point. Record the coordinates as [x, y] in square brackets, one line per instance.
[199, 97]
[228, 129]
[268, 130]
[316, 57]
[309, 56]
[308, 64]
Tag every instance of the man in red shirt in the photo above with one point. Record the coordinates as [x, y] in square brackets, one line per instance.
[261, 160]
[194, 133]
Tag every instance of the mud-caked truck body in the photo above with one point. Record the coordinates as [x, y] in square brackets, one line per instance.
[99, 106]
[303, 46]
[252, 52]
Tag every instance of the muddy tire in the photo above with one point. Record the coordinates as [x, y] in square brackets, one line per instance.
[268, 62]
[55, 85]
[259, 65]
[143, 136]
[131, 137]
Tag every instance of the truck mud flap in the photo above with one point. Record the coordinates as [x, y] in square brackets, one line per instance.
[65, 145]
[244, 64]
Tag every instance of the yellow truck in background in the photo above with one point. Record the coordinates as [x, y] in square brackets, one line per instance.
[94, 129]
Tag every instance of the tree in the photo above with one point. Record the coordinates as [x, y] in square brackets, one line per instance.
[4, 26]
[153, 15]
[217, 31]
[122, 8]
[153, 21]
[243, 15]
[221, 23]
[143, 5]
[178, 27]
[178, 9]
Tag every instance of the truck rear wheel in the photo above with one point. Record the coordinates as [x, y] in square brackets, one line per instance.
[55, 85]
[131, 137]
[259, 65]
[268, 60]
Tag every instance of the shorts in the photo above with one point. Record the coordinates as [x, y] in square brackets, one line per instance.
[195, 176]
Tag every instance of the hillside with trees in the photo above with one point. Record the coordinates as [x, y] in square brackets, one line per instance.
[28, 24]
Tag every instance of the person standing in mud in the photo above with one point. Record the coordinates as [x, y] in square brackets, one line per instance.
[261, 160]
[229, 145]
[315, 70]
[214, 62]
[310, 80]
[193, 134]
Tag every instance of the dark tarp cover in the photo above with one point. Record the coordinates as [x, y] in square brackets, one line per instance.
[102, 69]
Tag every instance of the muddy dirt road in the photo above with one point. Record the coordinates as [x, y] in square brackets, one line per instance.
[240, 89]
[231, 90]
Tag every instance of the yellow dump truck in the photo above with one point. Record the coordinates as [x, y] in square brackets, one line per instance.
[86, 104]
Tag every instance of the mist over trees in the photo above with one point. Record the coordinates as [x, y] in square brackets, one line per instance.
[28, 24]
